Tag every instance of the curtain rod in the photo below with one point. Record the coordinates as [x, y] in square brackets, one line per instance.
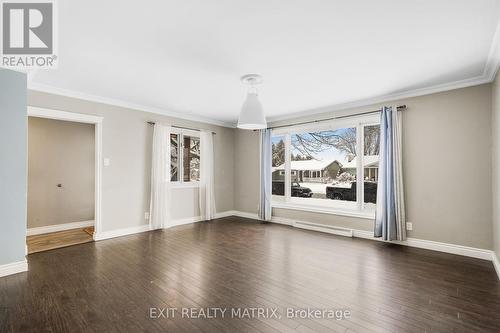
[399, 108]
[187, 128]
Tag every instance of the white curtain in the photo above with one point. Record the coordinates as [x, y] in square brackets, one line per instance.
[265, 175]
[207, 190]
[160, 178]
[390, 220]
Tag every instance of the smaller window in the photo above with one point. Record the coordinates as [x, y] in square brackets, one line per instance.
[184, 157]
[174, 157]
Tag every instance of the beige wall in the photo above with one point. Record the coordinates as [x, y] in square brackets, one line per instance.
[496, 163]
[246, 161]
[60, 152]
[447, 168]
[127, 140]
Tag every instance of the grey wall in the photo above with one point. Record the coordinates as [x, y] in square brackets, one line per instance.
[60, 152]
[496, 163]
[12, 166]
[446, 161]
[127, 140]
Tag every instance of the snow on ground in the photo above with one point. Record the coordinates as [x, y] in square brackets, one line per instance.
[320, 188]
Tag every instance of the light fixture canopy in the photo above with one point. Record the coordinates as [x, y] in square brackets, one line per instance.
[252, 114]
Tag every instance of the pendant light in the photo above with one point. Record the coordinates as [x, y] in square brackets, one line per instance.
[252, 114]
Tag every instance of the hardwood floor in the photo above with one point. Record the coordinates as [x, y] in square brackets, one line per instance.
[110, 286]
[55, 240]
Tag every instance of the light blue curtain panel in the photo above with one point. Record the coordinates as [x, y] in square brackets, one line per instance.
[390, 221]
[265, 175]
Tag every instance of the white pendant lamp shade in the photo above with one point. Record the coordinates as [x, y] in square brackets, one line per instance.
[252, 114]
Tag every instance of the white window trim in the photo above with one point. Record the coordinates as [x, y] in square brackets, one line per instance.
[180, 183]
[358, 122]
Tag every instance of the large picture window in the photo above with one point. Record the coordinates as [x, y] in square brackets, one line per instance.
[332, 166]
[184, 157]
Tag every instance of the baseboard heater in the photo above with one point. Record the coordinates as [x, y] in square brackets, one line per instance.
[324, 228]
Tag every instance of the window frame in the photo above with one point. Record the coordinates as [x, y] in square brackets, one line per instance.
[358, 122]
[180, 183]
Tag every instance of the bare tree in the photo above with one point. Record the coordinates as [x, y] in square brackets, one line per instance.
[311, 143]
[372, 140]
[278, 153]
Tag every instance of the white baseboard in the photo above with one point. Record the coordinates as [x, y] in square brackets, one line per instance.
[247, 215]
[433, 245]
[450, 248]
[496, 263]
[227, 213]
[13, 268]
[419, 243]
[120, 232]
[187, 220]
[59, 227]
[142, 228]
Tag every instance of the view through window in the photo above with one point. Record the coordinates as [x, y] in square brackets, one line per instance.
[278, 168]
[191, 158]
[371, 145]
[184, 158]
[174, 157]
[324, 167]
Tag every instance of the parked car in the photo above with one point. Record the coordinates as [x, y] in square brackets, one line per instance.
[349, 193]
[297, 190]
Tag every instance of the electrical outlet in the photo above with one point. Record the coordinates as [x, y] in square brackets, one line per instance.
[146, 215]
[409, 226]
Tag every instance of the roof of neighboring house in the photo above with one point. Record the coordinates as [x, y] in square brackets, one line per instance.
[307, 165]
[368, 161]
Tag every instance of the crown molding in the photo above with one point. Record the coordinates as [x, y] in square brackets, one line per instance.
[493, 62]
[475, 81]
[124, 104]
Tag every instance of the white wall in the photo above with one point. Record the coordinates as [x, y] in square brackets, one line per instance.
[127, 141]
[60, 152]
[446, 164]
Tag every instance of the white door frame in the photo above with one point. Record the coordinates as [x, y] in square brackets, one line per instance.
[87, 119]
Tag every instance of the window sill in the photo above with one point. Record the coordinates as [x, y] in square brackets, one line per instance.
[185, 185]
[324, 210]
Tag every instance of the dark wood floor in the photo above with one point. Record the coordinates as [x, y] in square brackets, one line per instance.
[110, 286]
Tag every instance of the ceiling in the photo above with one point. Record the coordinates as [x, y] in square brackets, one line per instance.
[185, 57]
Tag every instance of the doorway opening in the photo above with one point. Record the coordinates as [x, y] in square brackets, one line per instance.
[64, 177]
